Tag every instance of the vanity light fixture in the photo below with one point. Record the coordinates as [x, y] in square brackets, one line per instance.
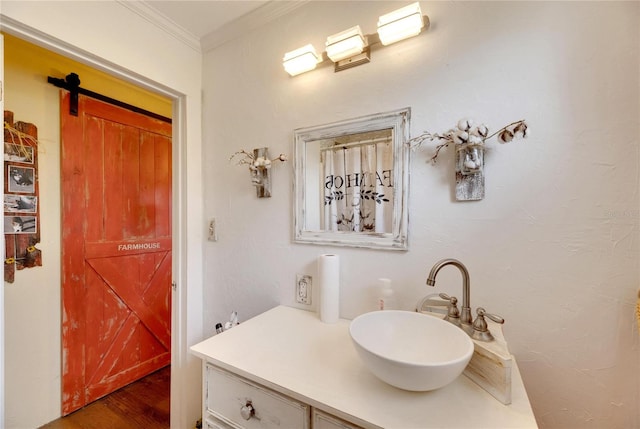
[301, 60]
[400, 24]
[351, 47]
[345, 44]
[348, 48]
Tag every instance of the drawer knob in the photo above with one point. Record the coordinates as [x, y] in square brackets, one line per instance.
[247, 411]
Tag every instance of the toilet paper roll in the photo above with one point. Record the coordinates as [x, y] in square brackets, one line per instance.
[329, 281]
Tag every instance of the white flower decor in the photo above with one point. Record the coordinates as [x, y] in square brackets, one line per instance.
[260, 168]
[262, 162]
[508, 133]
[254, 163]
[468, 133]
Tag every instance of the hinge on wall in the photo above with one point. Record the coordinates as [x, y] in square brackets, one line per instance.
[174, 285]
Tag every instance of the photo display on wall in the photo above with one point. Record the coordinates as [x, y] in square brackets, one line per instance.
[21, 202]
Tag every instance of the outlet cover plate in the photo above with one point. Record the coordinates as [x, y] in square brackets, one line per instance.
[303, 289]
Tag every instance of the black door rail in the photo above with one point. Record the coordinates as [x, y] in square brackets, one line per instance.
[72, 84]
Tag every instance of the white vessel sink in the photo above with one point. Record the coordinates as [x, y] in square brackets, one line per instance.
[409, 350]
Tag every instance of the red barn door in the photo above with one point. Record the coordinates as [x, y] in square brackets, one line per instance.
[116, 249]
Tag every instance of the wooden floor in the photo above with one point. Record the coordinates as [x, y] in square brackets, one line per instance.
[140, 405]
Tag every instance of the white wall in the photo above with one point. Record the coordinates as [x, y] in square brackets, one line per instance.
[33, 352]
[111, 37]
[554, 245]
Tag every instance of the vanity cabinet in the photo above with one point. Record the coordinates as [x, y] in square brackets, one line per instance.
[320, 420]
[234, 402]
[240, 403]
[285, 369]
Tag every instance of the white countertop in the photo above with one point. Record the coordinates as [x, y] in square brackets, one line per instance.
[293, 352]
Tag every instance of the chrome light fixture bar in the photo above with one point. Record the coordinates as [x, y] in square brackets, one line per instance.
[351, 47]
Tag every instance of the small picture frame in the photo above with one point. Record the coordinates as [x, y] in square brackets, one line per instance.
[21, 180]
[20, 224]
[18, 153]
[20, 203]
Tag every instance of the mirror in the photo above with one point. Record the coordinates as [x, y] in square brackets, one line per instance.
[351, 182]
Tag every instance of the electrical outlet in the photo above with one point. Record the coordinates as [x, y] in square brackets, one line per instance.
[303, 289]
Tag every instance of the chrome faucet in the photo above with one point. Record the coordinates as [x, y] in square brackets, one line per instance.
[465, 316]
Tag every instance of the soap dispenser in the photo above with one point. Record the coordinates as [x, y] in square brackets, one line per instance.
[387, 298]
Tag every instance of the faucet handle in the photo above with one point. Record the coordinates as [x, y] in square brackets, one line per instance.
[482, 312]
[453, 315]
[447, 297]
[480, 329]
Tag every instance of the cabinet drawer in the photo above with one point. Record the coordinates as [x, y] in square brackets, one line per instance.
[243, 404]
[212, 424]
[326, 421]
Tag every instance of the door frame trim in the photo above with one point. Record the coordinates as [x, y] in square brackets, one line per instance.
[2, 243]
[179, 337]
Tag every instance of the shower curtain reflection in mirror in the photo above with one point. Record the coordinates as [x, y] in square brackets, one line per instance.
[357, 178]
[351, 182]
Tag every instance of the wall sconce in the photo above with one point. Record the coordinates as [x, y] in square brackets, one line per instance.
[351, 47]
[260, 168]
[469, 140]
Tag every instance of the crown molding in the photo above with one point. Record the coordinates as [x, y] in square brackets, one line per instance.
[46, 41]
[248, 22]
[161, 21]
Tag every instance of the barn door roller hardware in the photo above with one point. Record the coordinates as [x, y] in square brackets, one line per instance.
[72, 84]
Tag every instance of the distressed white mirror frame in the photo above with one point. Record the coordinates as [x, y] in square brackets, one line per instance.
[398, 123]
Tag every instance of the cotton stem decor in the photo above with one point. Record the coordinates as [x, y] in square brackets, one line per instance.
[469, 140]
[259, 166]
